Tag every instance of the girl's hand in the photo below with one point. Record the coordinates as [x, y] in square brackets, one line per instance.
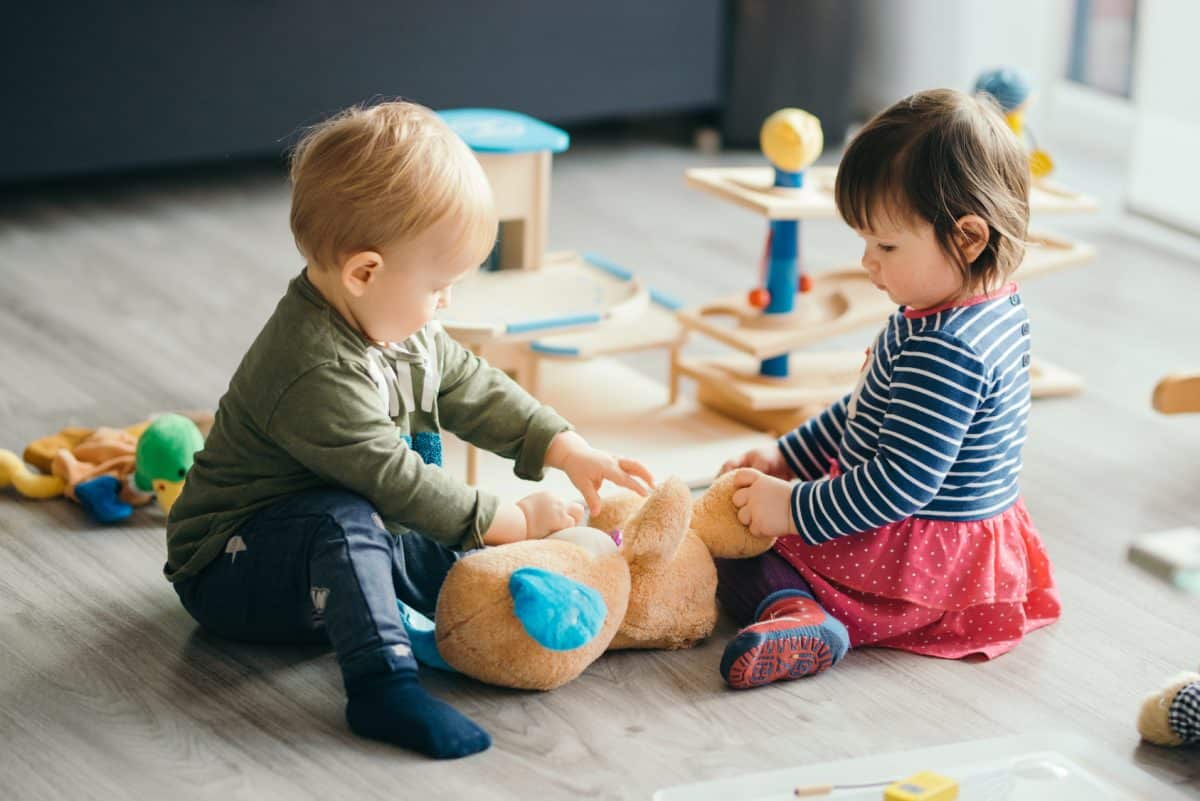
[588, 468]
[764, 503]
[546, 513]
[767, 459]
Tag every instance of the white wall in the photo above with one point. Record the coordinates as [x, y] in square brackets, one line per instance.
[910, 45]
[1165, 167]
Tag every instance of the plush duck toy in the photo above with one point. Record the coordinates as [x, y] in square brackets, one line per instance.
[93, 466]
[165, 452]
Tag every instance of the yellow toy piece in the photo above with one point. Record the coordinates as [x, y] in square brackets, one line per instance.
[1040, 163]
[924, 786]
[791, 139]
[31, 485]
[1016, 120]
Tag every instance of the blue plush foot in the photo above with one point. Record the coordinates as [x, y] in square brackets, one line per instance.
[395, 708]
[422, 638]
[792, 638]
[100, 498]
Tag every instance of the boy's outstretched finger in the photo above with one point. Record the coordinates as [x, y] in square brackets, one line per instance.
[633, 466]
[591, 498]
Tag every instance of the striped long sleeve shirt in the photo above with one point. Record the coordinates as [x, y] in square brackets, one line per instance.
[934, 428]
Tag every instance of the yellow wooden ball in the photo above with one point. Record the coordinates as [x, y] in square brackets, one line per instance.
[791, 139]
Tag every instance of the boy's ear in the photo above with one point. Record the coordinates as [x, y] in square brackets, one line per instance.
[971, 235]
[359, 270]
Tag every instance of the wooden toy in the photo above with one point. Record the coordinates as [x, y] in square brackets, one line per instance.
[526, 306]
[1179, 393]
[514, 310]
[515, 151]
[792, 310]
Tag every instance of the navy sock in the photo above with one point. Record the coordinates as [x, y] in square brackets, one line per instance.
[395, 708]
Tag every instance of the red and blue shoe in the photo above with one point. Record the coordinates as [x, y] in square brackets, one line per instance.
[792, 638]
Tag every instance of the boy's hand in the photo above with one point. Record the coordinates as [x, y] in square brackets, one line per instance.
[767, 459]
[588, 468]
[764, 503]
[546, 513]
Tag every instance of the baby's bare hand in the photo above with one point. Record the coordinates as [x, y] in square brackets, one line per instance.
[546, 513]
[767, 459]
[764, 503]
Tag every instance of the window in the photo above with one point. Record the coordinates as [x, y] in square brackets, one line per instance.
[1102, 40]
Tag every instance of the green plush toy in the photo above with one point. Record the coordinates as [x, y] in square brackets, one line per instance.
[165, 452]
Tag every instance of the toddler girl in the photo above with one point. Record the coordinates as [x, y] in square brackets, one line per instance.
[898, 512]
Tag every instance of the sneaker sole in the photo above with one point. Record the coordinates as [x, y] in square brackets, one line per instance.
[779, 659]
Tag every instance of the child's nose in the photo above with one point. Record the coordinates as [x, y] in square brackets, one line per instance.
[868, 262]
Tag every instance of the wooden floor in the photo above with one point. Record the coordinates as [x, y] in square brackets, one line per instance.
[120, 300]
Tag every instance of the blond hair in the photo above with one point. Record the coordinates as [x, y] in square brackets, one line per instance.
[937, 156]
[372, 176]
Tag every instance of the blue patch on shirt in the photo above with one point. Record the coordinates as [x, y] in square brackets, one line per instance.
[427, 444]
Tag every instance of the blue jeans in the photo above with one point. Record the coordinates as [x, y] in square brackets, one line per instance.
[319, 566]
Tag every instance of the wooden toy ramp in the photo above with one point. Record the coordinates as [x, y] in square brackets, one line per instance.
[840, 301]
[733, 386]
[568, 292]
[843, 300]
[752, 188]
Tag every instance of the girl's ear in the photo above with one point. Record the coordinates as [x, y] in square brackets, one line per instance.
[971, 236]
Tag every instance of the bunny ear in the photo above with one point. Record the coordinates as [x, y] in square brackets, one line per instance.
[658, 528]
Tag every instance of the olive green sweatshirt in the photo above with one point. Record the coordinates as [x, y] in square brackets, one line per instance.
[314, 404]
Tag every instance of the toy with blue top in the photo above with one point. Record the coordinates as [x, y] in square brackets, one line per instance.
[1012, 91]
[527, 306]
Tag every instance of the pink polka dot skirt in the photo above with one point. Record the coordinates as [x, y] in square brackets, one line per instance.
[940, 588]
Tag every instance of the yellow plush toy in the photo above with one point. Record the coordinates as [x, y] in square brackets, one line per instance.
[535, 614]
[14, 472]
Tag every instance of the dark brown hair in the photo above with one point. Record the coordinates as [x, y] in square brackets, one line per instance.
[937, 156]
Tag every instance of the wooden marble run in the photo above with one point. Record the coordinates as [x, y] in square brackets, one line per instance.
[776, 385]
[527, 305]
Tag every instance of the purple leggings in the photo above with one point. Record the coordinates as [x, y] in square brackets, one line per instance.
[742, 584]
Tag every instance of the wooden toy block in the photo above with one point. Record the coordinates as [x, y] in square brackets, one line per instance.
[1176, 394]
